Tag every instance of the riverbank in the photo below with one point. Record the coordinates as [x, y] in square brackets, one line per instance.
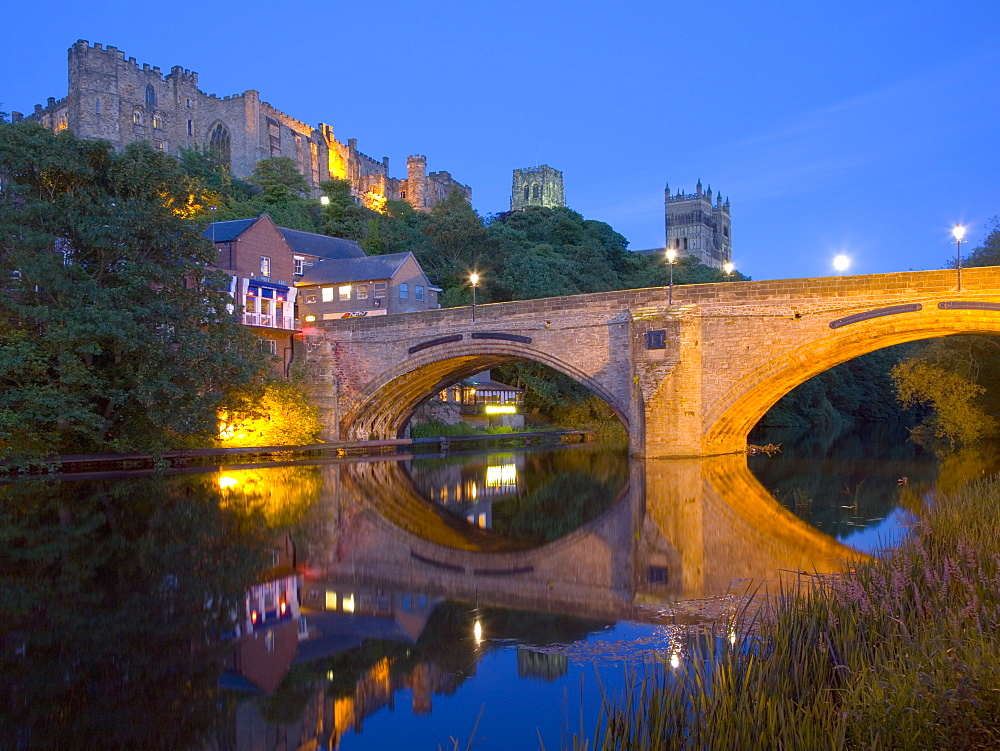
[82, 463]
[899, 652]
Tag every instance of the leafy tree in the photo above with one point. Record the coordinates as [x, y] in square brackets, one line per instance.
[273, 414]
[279, 179]
[114, 328]
[987, 254]
[342, 216]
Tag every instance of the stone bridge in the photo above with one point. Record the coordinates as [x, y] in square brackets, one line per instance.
[689, 374]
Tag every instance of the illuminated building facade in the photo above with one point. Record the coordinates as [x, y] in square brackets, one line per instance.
[117, 100]
[697, 227]
[537, 186]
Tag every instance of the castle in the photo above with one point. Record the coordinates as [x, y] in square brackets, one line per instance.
[698, 228]
[537, 186]
[114, 99]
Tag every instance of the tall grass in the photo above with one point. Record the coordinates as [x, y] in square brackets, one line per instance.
[901, 652]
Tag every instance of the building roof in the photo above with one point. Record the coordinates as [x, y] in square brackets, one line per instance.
[348, 270]
[324, 246]
[224, 232]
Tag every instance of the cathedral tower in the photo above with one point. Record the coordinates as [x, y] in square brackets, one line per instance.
[696, 227]
[537, 186]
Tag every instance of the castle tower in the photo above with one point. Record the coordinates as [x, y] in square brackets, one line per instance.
[537, 186]
[416, 180]
[697, 227]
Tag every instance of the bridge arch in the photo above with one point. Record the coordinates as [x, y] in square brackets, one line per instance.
[383, 406]
[732, 417]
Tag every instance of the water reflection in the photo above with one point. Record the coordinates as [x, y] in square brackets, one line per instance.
[320, 594]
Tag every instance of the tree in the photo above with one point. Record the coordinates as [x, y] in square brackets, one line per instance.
[279, 179]
[342, 216]
[115, 331]
[987, 254]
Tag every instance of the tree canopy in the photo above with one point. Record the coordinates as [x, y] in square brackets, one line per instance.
[115, 331]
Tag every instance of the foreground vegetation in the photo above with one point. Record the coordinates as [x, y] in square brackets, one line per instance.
[898, 652]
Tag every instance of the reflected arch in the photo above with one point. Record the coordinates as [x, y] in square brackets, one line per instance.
[384, 405]
[733, 416]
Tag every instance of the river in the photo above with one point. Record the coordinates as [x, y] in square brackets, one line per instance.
[393, 603]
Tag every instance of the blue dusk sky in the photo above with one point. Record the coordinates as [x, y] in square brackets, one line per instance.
[863, 128]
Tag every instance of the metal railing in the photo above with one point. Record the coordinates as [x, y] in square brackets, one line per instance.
[271, 321]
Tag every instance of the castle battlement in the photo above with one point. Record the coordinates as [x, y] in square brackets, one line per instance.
[119, 56]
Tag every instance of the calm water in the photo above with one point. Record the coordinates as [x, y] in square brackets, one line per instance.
[436, 597]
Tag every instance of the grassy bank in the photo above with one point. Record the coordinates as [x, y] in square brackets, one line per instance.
[900, 652]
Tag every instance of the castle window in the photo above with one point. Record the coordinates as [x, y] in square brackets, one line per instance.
[187, 103]
[157, 122]
[219, 144]
[150, 95]
[137, 117]
[685, 243]
[402, 195]
[190, 128]
[527, 190]
[160, 146]
[536, 192]
[97, 106]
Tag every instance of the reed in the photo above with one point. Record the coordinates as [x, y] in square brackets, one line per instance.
[899, 652]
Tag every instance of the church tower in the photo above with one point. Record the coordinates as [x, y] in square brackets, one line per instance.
[537, 186]
[697, 227]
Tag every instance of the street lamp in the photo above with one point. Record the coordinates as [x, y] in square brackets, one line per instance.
[959, 233]
[728, 268]
[474, 278]
[671, 257]
[325, 200]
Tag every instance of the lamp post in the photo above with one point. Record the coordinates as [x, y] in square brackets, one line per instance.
[959, 233]
[325, 200]
[671, 257]
[474, 278]
[728, 268]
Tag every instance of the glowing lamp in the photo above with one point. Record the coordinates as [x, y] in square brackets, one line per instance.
[840, 263]
[310, 319]
[325, 200]
[728, 268]
[500, 409]
[474, 278]
[958, 232]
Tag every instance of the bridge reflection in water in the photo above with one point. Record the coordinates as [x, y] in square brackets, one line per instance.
[679, 529]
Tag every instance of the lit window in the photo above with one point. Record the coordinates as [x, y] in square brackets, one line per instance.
[310, 297]
[345, 292]
[265, 266]
[379, 289]
[299, 262]
[327, 294]
[418, 292]
[157, 121]
[137, 117]
[160, 146]
[404, 291]
[362, 292]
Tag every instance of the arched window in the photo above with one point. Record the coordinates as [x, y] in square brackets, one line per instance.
[526, 189]
[97, 106]
[218, 144]
[157, 121]
[137, 116]
[150, 95]
[536, 192]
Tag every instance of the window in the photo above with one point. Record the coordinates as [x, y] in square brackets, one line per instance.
[327, 294]
[150, 95]
[345, 291]
[137, 117]
[404, 291]
[159, 145]
[379, 289]
[219, 144]
[269, 346]
[157, 121]
[190, 128]
[299, 262]
[536, 192]
[418, 292]
[97, 106]
[685, 243]
[265, 266]
[310, 298]
[187, 103]
[362, 292]
[526, 190]
[402, 195]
